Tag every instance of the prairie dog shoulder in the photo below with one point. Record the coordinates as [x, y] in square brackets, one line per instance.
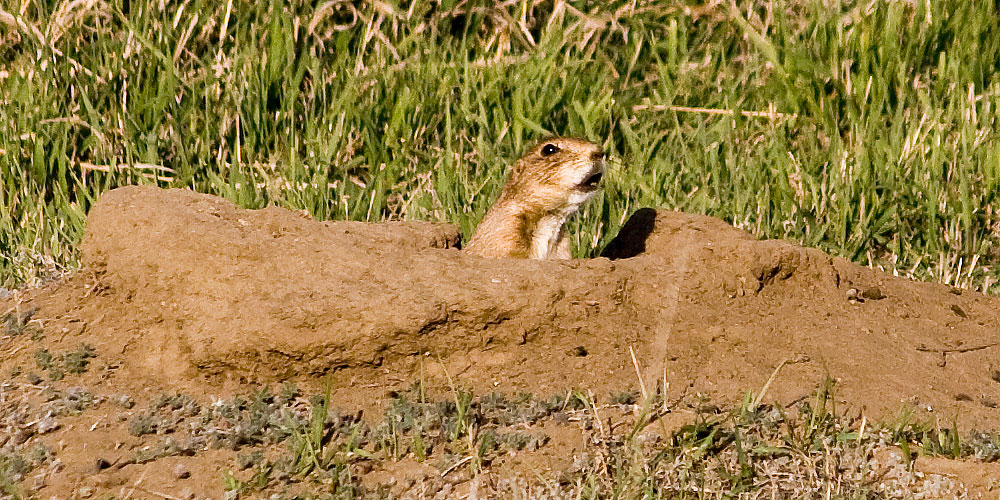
[547, 185]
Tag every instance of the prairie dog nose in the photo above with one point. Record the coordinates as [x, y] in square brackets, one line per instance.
[597, 155]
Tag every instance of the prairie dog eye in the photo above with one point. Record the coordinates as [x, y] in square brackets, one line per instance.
[549, 149]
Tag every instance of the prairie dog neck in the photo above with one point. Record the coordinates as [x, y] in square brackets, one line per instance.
[549, 233]
[546, 186]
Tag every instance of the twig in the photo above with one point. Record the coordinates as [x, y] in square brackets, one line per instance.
[666, 386]
[774, 374]
[693, 489]
[710, 111]
[763, 391]
[456, 465]
[597, 417]
[638, 374]
[569, 394]
[923, 348]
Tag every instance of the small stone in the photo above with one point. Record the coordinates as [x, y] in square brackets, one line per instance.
[363, 467]
[958, 310]
[579, 351]
[85, 492]
[187, 493]
[873, 293]
[125, 401]
[852, 295]
[47, 425]
[181, 472]
[101, 464]
[22, 435]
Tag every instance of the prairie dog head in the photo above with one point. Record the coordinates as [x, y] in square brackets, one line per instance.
[546, 186]
[557, 175]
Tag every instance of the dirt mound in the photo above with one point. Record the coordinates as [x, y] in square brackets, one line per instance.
[183, 289]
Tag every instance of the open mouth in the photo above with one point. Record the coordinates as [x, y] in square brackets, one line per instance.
[590, 183]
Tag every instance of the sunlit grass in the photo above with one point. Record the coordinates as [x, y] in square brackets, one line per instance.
[876, 141]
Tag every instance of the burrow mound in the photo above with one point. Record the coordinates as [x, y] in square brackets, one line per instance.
[188, 290]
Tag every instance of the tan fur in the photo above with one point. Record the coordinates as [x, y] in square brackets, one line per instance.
[528, 220]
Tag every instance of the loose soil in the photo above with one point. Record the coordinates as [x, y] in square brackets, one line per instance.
[184, 292]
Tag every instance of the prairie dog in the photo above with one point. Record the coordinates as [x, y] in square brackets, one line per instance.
[546, 186]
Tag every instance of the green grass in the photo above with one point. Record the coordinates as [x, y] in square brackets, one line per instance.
[570, 444]
[372, 110]
[748, 449]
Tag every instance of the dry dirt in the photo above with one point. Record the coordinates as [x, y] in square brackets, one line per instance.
[184, 292]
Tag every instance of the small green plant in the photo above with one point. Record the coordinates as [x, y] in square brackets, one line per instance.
[45, 361]
[236, 488]
[43, 358]
[930, 439]
[15, 323]
[72, 361]
[247, 460]
[76, 361]
[984, 445]
[142, 424]
[13, 468]
[315, 447]
[629, 397]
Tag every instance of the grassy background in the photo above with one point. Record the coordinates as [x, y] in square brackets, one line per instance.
[880, 145]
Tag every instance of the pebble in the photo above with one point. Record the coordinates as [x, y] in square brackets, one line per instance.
[22, 435]
[46, 425]
[873, 293]
[181, 472]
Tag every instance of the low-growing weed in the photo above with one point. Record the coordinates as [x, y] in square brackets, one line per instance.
[19, 323]
[73, 361]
